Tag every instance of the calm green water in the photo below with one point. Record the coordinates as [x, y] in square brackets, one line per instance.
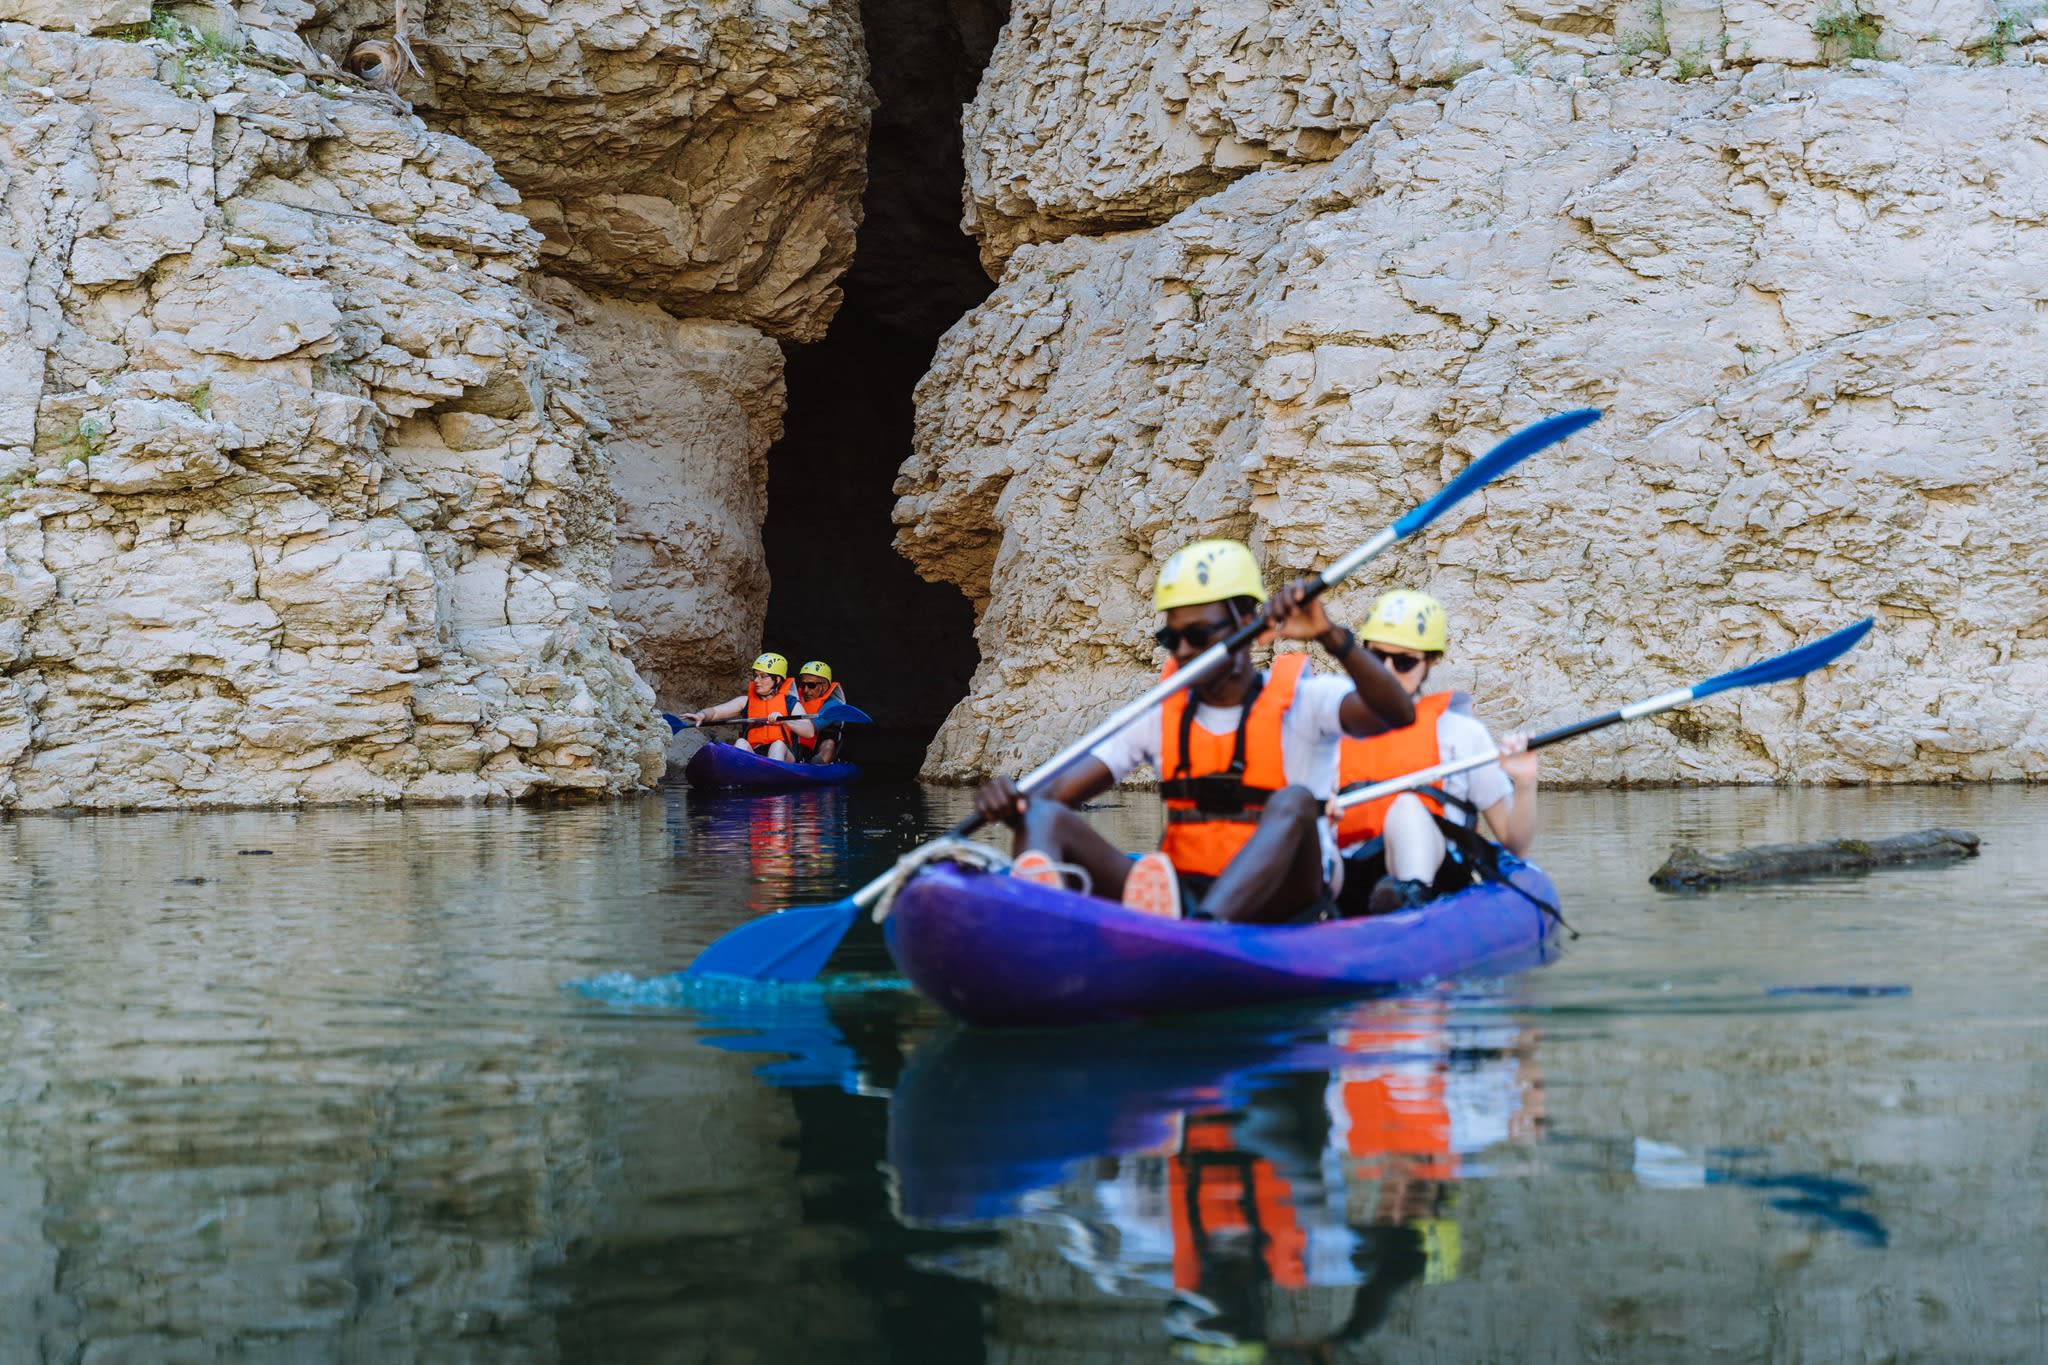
[309, 1087]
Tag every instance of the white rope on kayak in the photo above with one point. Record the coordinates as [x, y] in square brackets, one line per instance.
[946, 849]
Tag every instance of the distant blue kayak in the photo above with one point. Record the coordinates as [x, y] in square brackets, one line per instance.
[723, 766]
[998, 951]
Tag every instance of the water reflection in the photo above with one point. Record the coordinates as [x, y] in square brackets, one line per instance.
[1264, 1188]
[788, 838]
[330, 1102]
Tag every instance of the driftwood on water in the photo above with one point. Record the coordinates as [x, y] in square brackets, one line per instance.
[1687, 869]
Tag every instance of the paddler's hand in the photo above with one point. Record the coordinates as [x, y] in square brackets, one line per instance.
[1000, 803]
[1517, 762]
[695, 718]
[1291, 614]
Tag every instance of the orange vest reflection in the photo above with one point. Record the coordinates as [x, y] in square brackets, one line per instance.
[1420, 1094]
[1218, 1194]
[788, 833]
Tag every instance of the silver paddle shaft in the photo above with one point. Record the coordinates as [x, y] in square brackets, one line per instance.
[1648, 706]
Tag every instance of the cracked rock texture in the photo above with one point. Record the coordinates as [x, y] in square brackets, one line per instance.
[1093, 117]
[704, 155]
[703, 158]
[693, 408]
[299, 494]
[1809, 300]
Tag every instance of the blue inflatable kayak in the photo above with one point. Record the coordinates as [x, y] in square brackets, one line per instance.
[722, 765]
[998, 951]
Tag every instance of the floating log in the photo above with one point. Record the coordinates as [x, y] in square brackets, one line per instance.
[1688, 869]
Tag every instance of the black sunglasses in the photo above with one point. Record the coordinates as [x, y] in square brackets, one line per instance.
[812, 684]
[1200, 637]
[1400, 663]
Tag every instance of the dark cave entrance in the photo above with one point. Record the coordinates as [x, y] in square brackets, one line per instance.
[904, 647]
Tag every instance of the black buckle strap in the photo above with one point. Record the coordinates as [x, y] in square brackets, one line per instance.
[1216, 794]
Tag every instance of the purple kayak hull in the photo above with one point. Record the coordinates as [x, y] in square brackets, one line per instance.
[721, 765]
[1001, 952]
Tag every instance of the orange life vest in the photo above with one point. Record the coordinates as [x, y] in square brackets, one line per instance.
[1215, 786]
[1212, 1188]
[809, 744]
[761, 736]
[1379, 757]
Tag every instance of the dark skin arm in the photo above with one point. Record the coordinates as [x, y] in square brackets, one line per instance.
[999, 802]
[1378, 701]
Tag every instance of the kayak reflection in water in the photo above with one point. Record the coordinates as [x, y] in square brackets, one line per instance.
[1277, 1206]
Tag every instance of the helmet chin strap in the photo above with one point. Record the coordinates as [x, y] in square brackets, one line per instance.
[1206, 690]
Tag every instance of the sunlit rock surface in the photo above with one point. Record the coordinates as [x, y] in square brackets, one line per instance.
[693, 408]
[1809, 300]
[707, 159]
[705, 156]
[302, 496]
[1095, 116]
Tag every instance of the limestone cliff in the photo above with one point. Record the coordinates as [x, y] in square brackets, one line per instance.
[704, 155]
[695, 168]
[302, 495]
[1805, 294]
[693, 408]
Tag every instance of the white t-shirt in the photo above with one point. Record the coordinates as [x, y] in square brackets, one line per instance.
[1459, 734]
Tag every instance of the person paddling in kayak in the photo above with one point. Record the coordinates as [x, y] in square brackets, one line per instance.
[816, 688]
[1398, 849]
[1246, 762]
[770, 697]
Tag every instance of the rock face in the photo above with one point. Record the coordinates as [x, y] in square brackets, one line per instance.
[693, 408]
[702, 155]
[1092, 117]
[302, 500]
[1807, 299]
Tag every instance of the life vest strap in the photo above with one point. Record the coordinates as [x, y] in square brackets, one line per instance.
[1251, 815]
[1215, 794]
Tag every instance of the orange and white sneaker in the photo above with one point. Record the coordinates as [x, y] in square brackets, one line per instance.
[1033, 866]
[1151, 887]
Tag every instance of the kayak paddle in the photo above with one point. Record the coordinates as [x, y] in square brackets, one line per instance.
[1793, 663]
[833, 713]
[793, 944]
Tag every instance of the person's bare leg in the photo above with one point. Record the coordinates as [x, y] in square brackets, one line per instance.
[1279, 873]
[1065, 836]
[780, 752]
[743, 744]
[1415, 846]
[828, 750]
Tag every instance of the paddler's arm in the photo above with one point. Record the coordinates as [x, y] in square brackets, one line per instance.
[1000, 803]
[797, 724]
[1377, 701]
[725, 710]
[1515, 827]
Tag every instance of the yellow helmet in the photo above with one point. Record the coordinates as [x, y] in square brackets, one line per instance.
[1407, 619]
[1207, 571]
[771, 662]
[816, 668]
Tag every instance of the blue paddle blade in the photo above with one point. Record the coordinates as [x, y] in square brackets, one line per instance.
[839, 713]
[789, 945]
[675, 723]
[1495, 463]
[1792, 663]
